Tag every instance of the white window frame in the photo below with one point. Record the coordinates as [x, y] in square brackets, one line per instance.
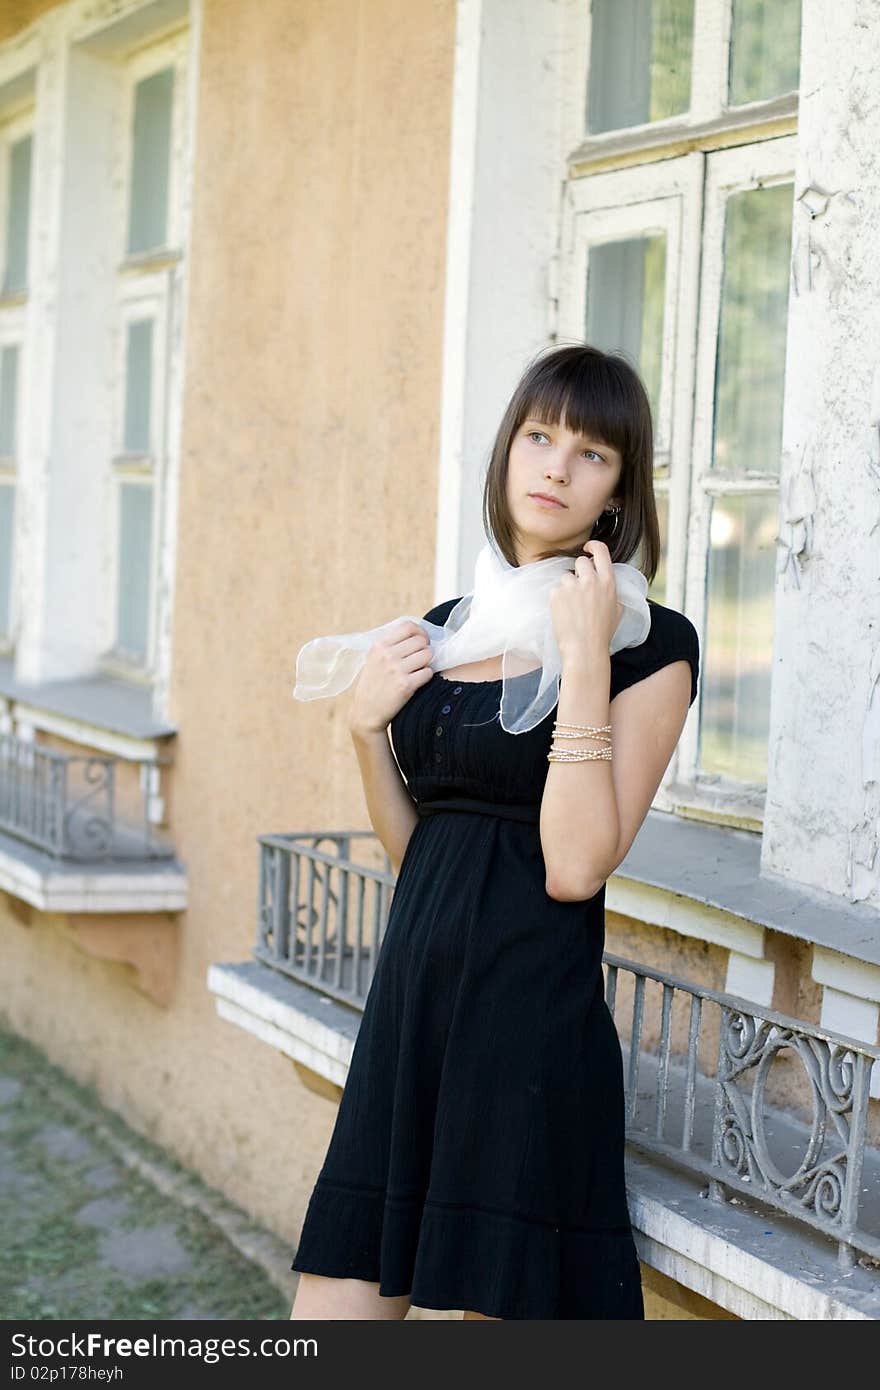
[147, 285]
[728, 172]
[11, 131]
[642, 179]
[13, 333]
[710, 118]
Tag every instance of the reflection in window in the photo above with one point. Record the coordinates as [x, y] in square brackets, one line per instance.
[138, 382]
[133, 593]
[750, 371]
[626, 289]
[765, 49]
[150, 161]
[8, 400]
[7, 518]
[736, 657]
[640, 62]
[18, 207]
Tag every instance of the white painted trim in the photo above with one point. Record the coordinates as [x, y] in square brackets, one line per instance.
[658, 907]
[502, 234]
[459, 231]
[750, 979]
[145, 293]
[855, 1018]
[846, 974]
[89, 735]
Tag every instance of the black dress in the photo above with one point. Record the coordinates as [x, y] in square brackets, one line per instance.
[477, 1159]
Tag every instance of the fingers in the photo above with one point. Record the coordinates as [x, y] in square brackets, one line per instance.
[598, 557]
[414, 638]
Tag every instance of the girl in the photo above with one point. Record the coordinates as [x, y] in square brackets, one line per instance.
[477, 1159]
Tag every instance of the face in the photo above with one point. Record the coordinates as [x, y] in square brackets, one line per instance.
[582, 473]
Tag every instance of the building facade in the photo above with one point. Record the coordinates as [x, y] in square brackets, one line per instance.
[269, 273]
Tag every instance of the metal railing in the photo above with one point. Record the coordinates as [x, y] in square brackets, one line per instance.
[66, 804]
[321, 916]
[705, 1106]
[697, 1063]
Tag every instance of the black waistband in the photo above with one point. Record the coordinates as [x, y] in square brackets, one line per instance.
[506, 810]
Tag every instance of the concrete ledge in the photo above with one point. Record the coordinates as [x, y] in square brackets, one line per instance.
[310, 1027]
[757, 1263]
[720, 869]
[55, 885]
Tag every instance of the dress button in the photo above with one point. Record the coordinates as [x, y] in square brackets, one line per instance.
[446, 709]
[439, 729]
[438, 757]
[457, 690]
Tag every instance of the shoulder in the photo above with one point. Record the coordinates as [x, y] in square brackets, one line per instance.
[672, 637]
[441, 611]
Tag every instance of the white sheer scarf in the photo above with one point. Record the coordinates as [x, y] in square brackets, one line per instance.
[506, 614]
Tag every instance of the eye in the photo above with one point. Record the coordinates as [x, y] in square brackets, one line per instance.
[532, 433]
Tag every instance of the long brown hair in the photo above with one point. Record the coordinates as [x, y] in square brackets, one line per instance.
[600, 395]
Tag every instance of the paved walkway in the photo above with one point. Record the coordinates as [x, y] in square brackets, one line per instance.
[97, 1222]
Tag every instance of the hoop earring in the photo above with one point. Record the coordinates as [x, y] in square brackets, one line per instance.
[608, 510]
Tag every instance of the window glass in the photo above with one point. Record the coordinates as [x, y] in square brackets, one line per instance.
[765, 49]
[8, 400]
[150, 161]
[18, 216]
[737, 649]
[135, 532]
[7, 514]
[640, 62]
[138, 386]
[750, 373]
[626, 290]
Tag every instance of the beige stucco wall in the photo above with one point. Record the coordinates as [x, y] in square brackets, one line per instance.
[16, 15]
[307, 505]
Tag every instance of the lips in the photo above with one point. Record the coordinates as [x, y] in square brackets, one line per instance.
[547, 497]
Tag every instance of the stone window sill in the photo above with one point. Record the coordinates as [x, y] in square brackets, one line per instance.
[718, 871]
[98, 711]
[56, 885]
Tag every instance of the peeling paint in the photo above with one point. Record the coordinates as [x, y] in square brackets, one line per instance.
[796, 511]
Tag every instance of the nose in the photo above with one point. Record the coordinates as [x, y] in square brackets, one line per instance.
[555, 468]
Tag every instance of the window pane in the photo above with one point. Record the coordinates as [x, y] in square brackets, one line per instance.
[735, 681]
[626, 288]
[7, 514]
[138, 386]
[640, 62]
[133, 594]
[750, 374]
[150, 161]
[18, 216]
[765, 49]
[8, 400]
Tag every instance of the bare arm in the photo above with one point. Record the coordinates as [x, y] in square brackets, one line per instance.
[396, 666]
[391, 808]
[592, 811]
[580, 824]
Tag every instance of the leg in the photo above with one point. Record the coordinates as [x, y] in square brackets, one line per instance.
[318, 1296]
[467, 1317]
